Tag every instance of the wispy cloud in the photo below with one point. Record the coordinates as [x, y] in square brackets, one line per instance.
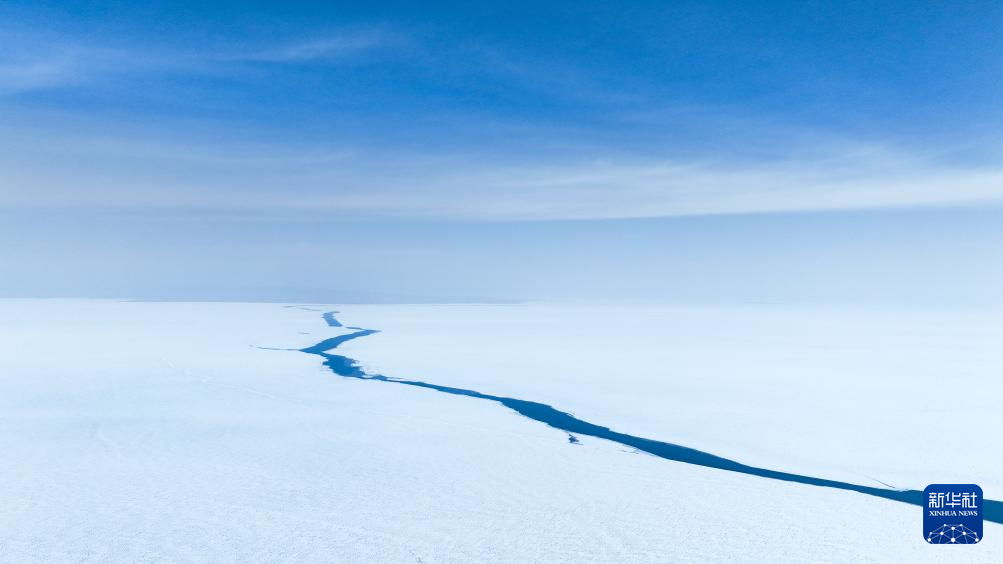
[35, 62]
[671, 188]
[589, 182]
[28, 75]
[38, 65]
[153, 174]
[337, 47]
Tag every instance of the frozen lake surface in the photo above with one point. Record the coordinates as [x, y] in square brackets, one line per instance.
[161, 431]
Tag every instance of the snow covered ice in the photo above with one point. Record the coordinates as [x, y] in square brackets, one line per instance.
[198, 432]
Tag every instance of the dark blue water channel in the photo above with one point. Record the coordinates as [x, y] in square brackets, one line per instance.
[349, 368]
[331, 320]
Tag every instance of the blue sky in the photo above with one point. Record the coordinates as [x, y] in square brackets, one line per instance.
[738, 151]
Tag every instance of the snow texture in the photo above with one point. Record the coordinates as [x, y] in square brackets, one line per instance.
[162, 432]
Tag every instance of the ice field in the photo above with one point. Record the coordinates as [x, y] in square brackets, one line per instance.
[200, 432]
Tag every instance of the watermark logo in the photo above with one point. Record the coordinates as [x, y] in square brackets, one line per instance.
[952, 514]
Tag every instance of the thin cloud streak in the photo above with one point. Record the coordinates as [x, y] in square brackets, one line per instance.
[331, 49]
[117, 173]
[29, 75]
[31, 64]
[45, 68]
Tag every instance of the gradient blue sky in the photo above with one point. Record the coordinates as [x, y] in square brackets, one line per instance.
[708, 151]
